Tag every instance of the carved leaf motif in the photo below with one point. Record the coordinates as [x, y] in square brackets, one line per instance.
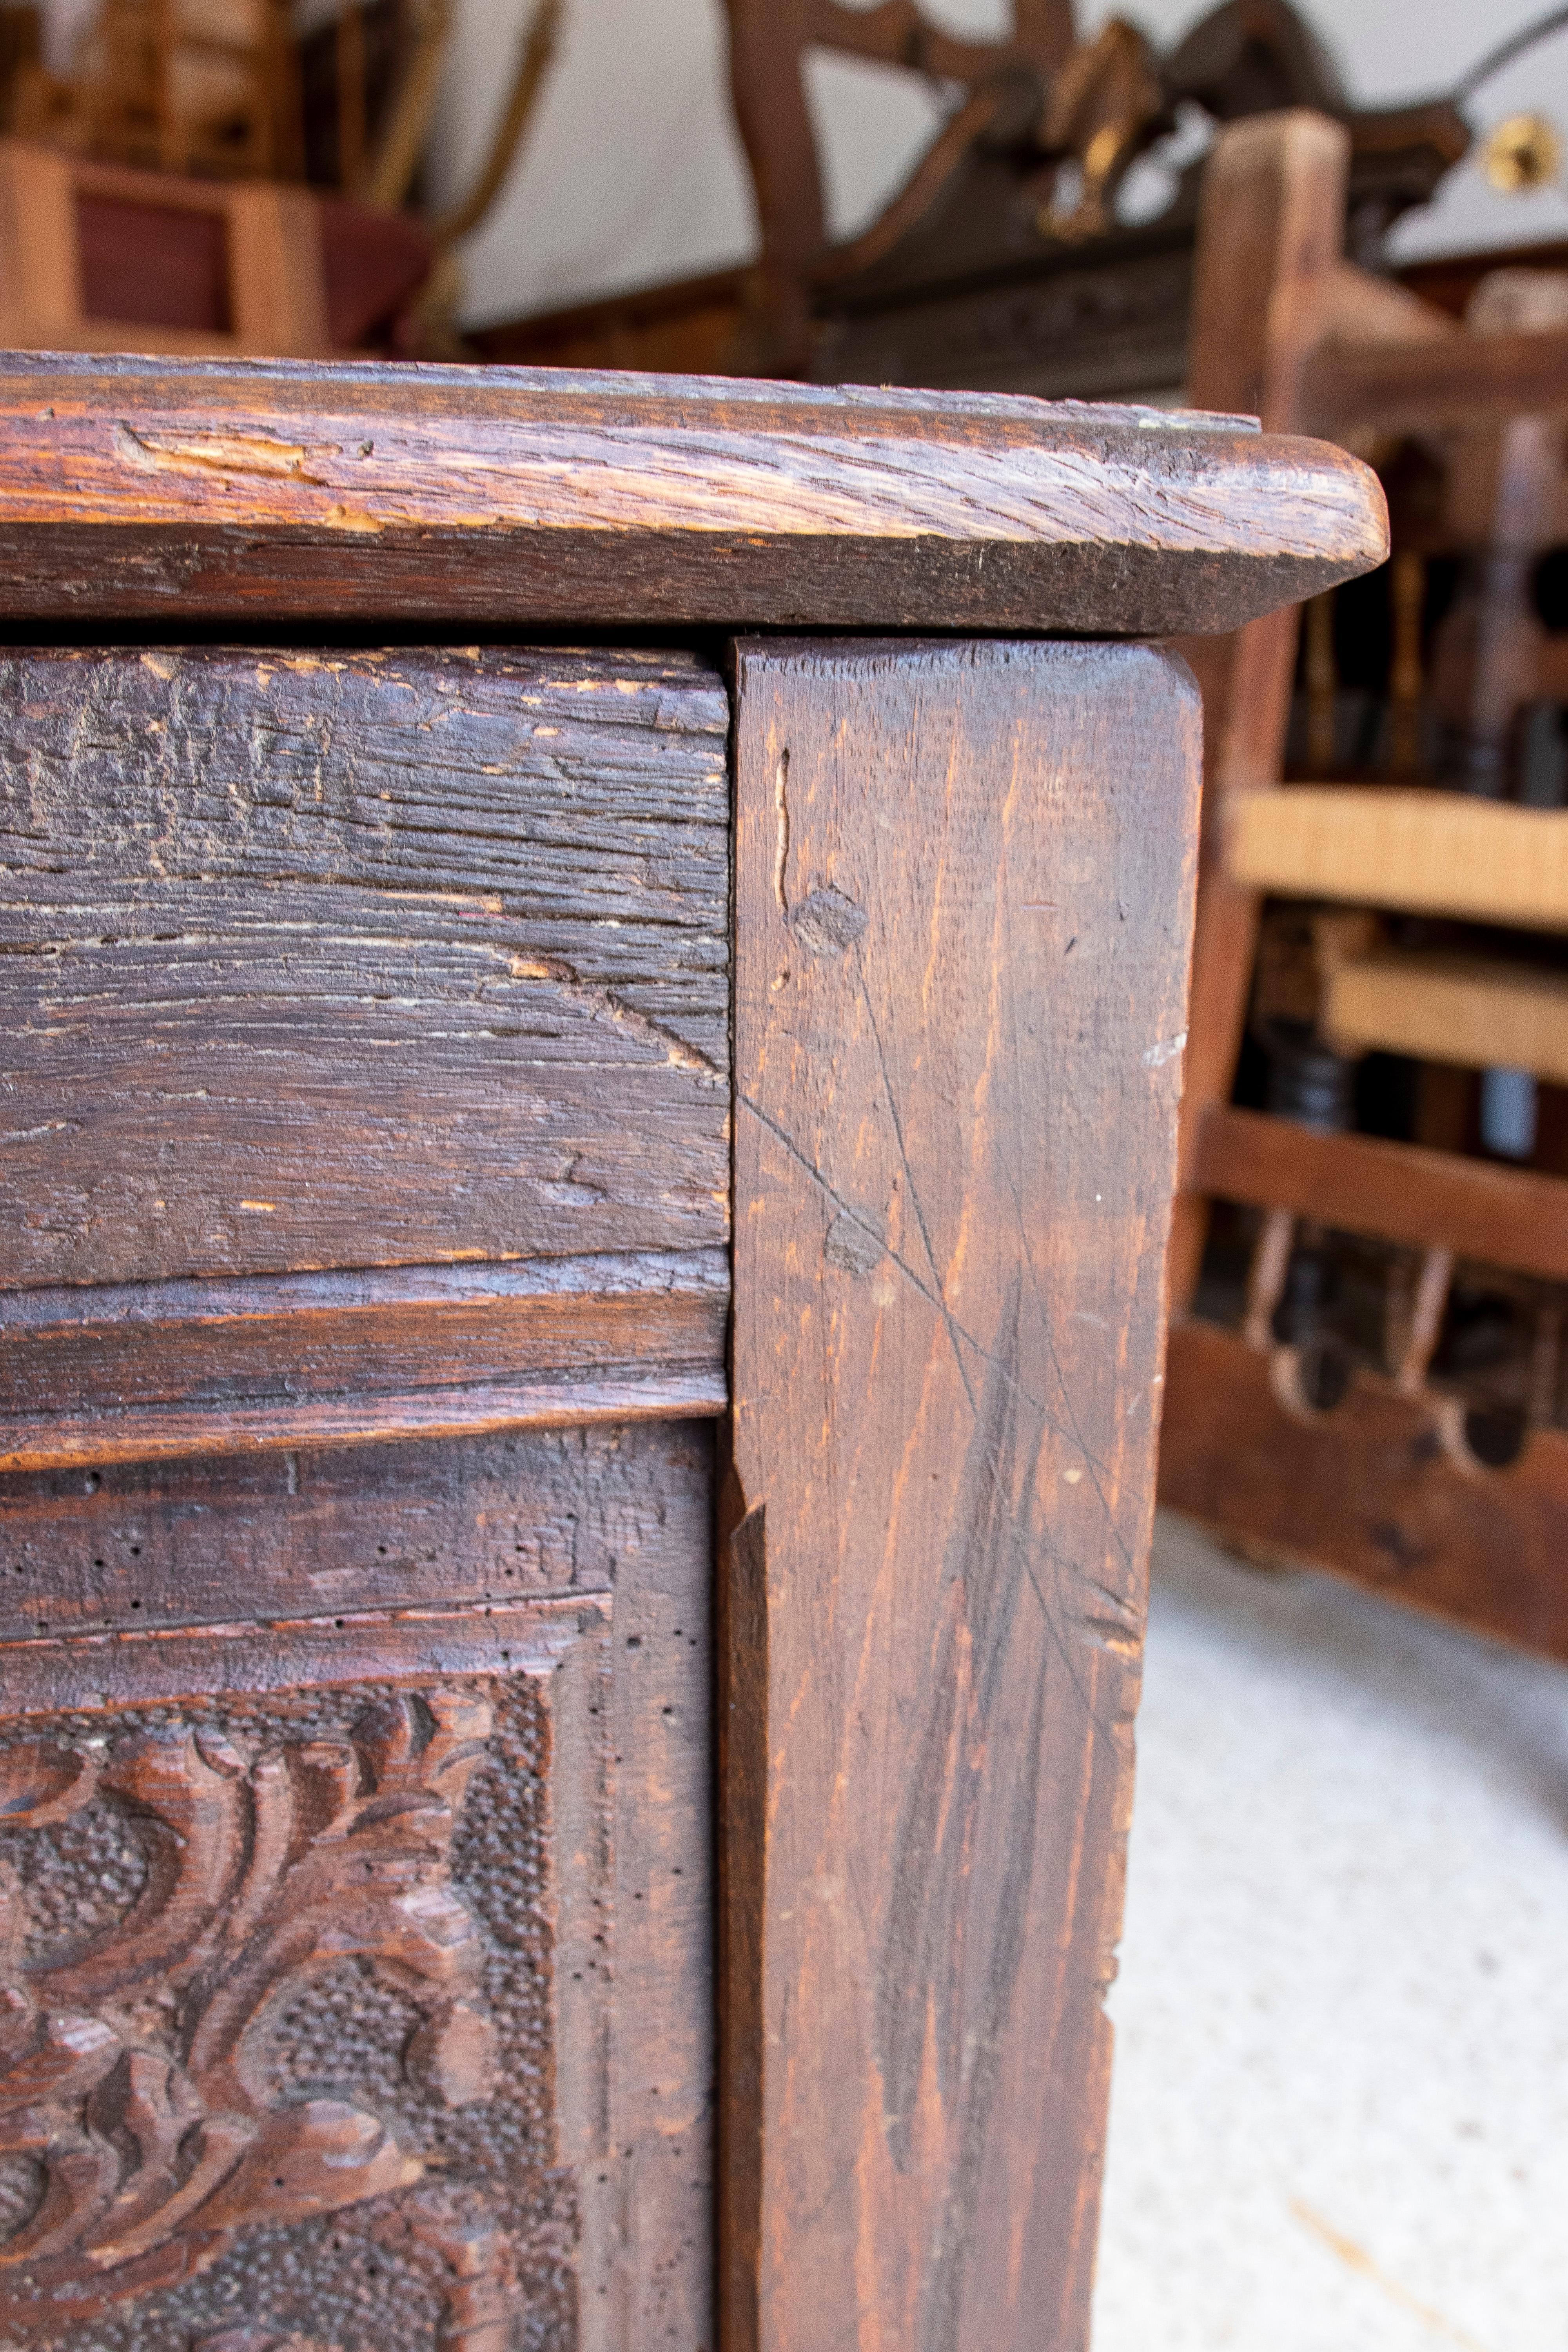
[135, 2070]
[312, 2158]
[453, 2055]
[80, 2175]
[41, 1782]
[153, 2104]
[51, 2056]
[480, 2289]
[193, 1820]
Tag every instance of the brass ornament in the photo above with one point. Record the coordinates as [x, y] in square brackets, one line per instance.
[1523, 153]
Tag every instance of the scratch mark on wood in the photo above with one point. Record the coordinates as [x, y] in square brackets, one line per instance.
[926, 1966]
[781, 808]
[221, 452]
[932, 1298]
[936, 1950]
[604, 1002]
[913, 1189]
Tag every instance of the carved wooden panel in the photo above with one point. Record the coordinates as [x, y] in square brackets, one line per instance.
[277, 1998]
[354, 1982]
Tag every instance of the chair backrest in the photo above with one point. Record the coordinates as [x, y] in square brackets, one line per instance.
[1271, 240]
[768, 39]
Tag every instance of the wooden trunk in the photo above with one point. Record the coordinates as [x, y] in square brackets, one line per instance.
[581, 1292]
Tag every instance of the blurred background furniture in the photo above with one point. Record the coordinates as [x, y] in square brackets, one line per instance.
[96, 256]
[1371, 1275]
[1002, 263]
[204, 180]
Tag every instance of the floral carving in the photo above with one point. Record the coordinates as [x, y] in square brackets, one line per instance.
[144, 2119]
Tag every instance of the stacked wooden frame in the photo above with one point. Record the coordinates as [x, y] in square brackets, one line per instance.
[1381, 1469]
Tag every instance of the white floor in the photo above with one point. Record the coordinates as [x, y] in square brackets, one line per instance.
[1340, 2119]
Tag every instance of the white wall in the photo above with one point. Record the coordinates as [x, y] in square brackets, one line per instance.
[634, 173]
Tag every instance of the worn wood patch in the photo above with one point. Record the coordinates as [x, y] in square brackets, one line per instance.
[332, 1531]
[964, 908]
[359, 960]
[545, 498]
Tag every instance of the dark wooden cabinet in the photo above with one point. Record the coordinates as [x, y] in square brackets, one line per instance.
[586, 1169]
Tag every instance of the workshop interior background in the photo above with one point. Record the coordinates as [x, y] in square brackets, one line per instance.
[1340, 2120]
[633, 173]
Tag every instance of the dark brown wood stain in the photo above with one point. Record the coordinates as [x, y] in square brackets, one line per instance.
[130, 1372]
[359, 960]
[333, 1530]
[512, 497]
[954, 1156]
[372, 1147]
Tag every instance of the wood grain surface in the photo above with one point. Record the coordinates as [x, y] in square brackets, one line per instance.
[652, 2277]
[1367, 1491]
[347, 960]
[503, 497]
[960, 1001]
[1399, 1192]
[132, 1371]
[438, 1523]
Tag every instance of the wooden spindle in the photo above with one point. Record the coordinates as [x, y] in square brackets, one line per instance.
[1408, 596]
[1545, 1366]
[350, 100]
[1322, 686]
[1265, 1277]
[1430, 1306]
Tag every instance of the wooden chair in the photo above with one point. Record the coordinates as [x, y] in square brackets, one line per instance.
[94, 256]
[1388, 1462]
[174, 86]
[1000, 264]
[768, 39]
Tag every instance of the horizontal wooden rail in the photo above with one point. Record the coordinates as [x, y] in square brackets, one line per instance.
[1419, 852]
[138, 1371]
[1414, 387]
[510, 495]
[1362, 1491]
[1477, 1012]
[1505, 1217]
